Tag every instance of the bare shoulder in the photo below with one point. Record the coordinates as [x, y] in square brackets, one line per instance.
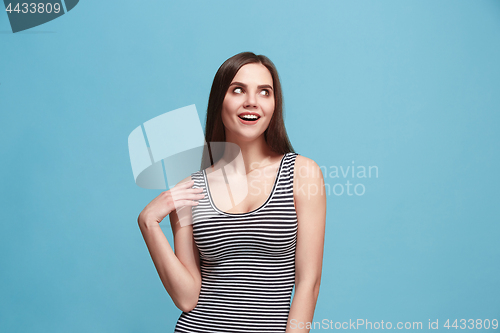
[306, 170]
[308, 183]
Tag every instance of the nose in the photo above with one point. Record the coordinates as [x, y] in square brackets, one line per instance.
[250, 101]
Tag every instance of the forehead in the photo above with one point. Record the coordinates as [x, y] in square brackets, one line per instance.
[254, 73]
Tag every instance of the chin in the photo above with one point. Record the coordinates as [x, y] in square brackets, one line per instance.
[246, 136]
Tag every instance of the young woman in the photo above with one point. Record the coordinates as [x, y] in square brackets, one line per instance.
[238, 259]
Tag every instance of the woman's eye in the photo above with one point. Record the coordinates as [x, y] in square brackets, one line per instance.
[265, 92]
[238, 90]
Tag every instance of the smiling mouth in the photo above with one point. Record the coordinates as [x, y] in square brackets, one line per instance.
[249, 117]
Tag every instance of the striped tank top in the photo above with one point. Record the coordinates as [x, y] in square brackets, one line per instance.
[247, 261]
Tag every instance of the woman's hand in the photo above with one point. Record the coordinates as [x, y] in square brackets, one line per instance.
[180, 271]
[178, 196]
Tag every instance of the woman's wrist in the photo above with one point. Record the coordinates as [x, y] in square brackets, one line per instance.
[147, 221]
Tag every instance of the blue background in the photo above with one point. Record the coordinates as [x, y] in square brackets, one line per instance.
[412, 87]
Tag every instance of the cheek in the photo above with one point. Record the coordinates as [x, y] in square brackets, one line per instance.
[224, 116]
[230, 105]
[268, 106]
[228, 111]
[269, 114]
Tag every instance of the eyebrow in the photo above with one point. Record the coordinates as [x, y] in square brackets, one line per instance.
[244, 85]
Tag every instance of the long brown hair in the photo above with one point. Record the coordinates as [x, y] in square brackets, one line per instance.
[275, 135]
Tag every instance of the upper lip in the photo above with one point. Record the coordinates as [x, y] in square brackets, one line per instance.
[251, 113]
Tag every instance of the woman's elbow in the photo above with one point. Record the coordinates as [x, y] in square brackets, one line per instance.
[187, 305]
[185, 297]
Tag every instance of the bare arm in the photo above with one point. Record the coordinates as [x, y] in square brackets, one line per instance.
[179, 271]
[310, 204]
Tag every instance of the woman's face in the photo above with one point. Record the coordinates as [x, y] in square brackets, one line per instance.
[251, 92]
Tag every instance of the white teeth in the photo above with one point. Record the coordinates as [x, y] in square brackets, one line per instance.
[249, 116]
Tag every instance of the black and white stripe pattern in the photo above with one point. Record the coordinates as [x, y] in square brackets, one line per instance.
[247, 261]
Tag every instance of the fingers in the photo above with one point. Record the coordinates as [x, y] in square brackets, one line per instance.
[179, 204]
[184, 195]
[184, 185]
[185, 190]
[187, 195]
